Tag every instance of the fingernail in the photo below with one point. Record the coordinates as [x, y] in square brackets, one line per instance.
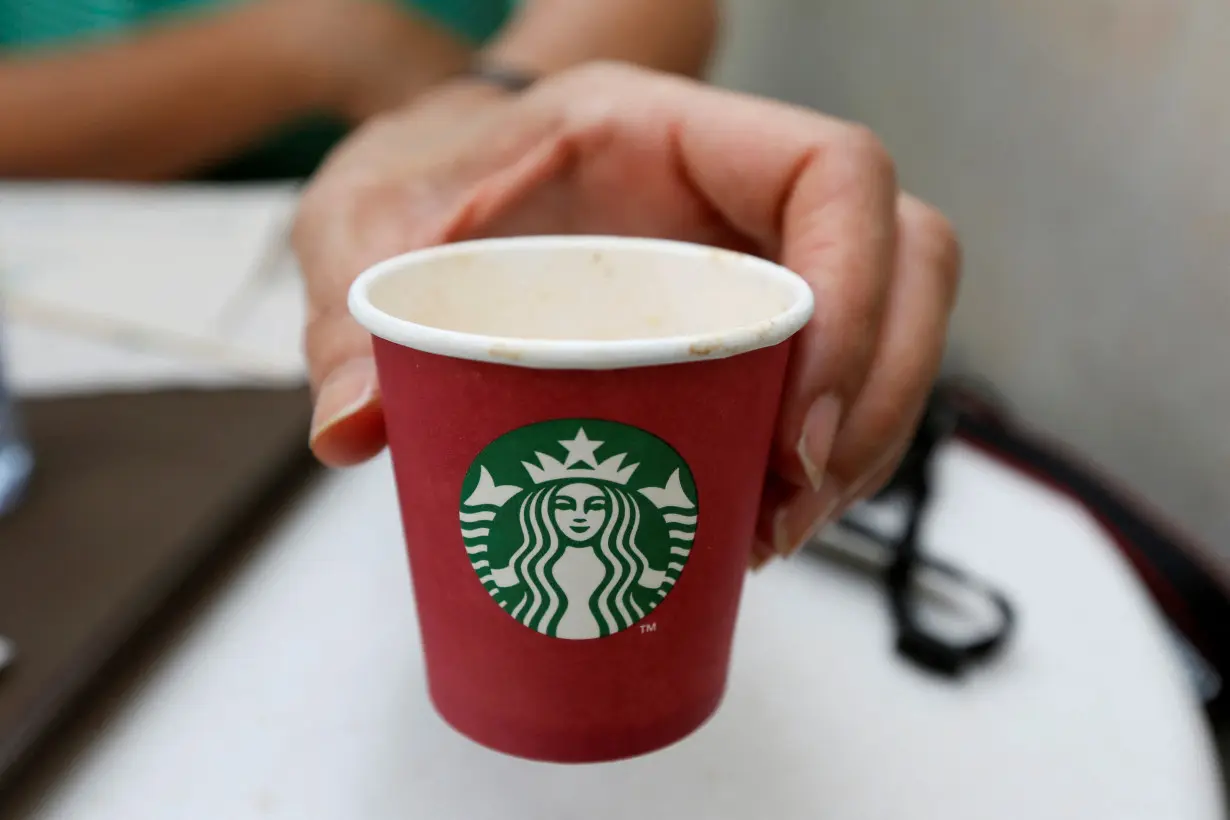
[346, 391]
[800, 518]
[762, 553]
[816, 442]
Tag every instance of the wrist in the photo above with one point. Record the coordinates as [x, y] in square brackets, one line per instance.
[506, 77]
[479, 85]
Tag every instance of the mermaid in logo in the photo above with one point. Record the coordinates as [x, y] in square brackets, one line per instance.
[580, 569]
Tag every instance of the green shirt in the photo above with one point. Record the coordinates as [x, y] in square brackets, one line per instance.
[26, 24]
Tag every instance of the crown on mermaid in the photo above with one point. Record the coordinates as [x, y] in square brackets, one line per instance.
[580, 463]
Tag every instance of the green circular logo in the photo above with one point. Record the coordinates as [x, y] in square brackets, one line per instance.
[578, 528]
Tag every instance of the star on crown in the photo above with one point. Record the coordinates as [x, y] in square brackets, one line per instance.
[581, 451]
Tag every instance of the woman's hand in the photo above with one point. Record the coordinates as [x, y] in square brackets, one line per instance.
[615, 150]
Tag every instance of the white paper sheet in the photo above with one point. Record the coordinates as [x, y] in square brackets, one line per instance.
[139, 287]
[171, 256]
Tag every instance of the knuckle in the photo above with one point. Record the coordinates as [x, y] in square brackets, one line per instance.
[937, 241]
[866, 150]
[939, 232]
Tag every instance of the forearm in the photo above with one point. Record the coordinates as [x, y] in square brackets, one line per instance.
[162, 104]
[549, 35]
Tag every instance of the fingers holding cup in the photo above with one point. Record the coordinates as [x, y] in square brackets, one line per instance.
[876, 430]
[908, 354]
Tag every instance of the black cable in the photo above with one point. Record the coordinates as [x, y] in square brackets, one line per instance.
[912, 484]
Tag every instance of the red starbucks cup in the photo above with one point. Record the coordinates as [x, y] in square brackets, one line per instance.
[579, 428]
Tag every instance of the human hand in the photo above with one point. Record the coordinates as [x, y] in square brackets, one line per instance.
[366, 56]
[615, 150]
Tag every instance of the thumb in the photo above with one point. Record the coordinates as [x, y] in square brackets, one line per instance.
[343, 226]
[348, 421]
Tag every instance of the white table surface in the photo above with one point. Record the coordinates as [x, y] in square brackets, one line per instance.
[296, 690]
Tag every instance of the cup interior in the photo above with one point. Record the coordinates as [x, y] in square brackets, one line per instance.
[580, 301]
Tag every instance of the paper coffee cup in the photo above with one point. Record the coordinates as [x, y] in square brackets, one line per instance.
[579, 428]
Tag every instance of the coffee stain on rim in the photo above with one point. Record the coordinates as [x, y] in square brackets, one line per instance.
[706, 349]
[505, 352]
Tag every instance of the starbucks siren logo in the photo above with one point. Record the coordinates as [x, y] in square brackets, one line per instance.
[586, 546]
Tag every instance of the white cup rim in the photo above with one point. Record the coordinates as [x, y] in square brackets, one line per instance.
[568, 354]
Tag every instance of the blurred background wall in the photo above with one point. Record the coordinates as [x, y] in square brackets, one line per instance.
[1082, 147]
